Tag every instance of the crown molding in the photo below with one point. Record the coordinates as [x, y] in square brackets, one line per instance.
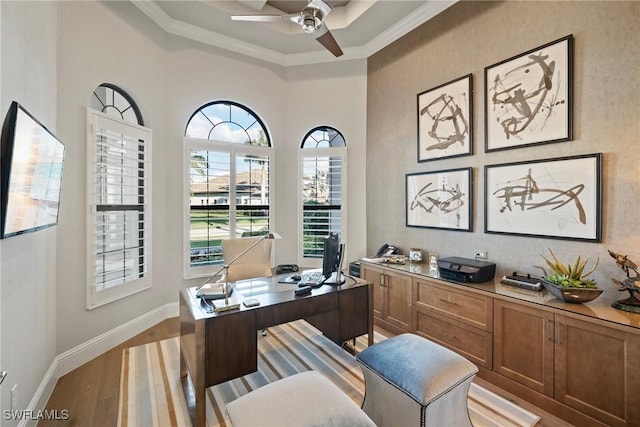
[423, 14]
[427, 11]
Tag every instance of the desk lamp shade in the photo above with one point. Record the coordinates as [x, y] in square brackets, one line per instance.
[256, 262]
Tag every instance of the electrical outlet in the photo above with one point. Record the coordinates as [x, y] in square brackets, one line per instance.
[481, 254]
[14, 397]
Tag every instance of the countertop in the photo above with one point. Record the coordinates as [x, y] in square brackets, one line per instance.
[600, 308]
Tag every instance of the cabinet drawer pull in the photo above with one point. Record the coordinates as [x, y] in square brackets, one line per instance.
[448, 302]
[559, 333]
[550, 330]
[453, 337]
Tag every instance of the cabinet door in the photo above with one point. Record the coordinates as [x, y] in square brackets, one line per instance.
[598, 371]
[375, 276]
[398, 288]
[523, 339]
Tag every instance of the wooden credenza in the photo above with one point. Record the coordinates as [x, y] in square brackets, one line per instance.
[580, 362]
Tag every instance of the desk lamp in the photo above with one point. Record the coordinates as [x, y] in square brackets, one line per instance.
[224, 270]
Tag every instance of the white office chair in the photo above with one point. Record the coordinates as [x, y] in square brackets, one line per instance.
[255, 263]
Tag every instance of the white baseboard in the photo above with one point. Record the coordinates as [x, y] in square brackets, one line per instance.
[81, 354]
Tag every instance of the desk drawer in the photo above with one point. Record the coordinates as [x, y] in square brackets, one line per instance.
[472, 343]
[468, 307]
[293, 310]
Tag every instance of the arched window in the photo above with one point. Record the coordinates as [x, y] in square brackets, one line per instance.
[227, 169]
[323, 137]
[119, 194]
[115, 102]
[323, 158]
[227, 121]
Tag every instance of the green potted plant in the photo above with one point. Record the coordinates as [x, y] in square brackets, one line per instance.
[570, 282]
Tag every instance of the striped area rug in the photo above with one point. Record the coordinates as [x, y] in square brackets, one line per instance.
[151, 392]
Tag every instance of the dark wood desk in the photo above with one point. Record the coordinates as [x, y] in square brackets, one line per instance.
[215, 348]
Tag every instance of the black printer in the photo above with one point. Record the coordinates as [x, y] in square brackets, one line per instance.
[466, 270]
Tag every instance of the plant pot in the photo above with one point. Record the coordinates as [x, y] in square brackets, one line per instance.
[571, 295]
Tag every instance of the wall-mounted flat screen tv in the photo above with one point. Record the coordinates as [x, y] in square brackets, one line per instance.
[30, 174]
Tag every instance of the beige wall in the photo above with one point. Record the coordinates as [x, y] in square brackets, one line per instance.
[28, 261]
[467, 38]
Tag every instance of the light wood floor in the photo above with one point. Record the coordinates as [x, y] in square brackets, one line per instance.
[90, 393]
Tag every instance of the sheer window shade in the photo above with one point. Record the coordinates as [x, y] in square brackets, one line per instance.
[119, 238]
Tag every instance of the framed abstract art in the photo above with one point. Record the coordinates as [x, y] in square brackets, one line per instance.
[529, 98]
[445, 124]
[554, 198]
[439, 199]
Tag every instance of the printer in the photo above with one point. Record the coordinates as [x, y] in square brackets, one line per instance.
[466, 270]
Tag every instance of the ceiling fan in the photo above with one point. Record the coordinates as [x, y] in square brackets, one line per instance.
[311, 19]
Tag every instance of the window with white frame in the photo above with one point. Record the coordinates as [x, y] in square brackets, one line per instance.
[227, 175]
[119, 197]
[323, 164]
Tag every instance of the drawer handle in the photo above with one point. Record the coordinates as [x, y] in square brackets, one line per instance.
[448, 302]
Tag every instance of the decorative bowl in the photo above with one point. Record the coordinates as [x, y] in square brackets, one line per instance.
[571, 295]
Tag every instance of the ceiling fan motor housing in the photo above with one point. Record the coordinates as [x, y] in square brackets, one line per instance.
[311, 19]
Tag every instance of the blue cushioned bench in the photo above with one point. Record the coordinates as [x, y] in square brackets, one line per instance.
[411, 381]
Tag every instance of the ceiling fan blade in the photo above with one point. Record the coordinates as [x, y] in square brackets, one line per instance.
[326, 39]
[329, 3]
[260, 18]
[323, 6]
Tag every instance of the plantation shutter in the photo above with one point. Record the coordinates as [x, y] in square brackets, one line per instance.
[119, 226]
[322, 195]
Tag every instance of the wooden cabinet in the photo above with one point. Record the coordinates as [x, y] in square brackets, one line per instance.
[566, 359]
[461, 321]
[391, 297]
[523, 339]
[587, 366]
[597, 370]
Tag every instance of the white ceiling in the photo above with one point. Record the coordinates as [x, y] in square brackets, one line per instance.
[361, 27]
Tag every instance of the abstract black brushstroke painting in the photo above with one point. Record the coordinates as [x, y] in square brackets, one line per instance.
[445, 121]
[555, 198]
[528, 98]
[439, 199]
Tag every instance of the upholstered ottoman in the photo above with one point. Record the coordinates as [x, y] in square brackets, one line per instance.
[305, 399]
[411, 381]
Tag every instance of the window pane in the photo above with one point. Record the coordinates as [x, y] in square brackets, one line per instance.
[323, 137]
[208, 228]
[209, 213]
[115, 102]
[229, 188]
[252, 195]
[227, 122]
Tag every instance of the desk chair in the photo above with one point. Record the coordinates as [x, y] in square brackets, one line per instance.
[255, 263]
